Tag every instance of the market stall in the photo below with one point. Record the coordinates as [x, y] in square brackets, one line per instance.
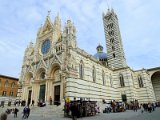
[85, 108]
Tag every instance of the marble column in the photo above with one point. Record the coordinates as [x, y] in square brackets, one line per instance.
[25, 92]
[62, 89]
[49, 89]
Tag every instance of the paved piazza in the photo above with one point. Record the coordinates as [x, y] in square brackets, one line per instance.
[54, 113]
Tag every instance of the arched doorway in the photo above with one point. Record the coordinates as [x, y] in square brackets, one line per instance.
[56, 83]
[155, 78]
[29, 78]
[41, 74]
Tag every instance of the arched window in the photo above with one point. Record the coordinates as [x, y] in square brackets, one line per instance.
[140, 81]
[4, 93]
[6, 83]
[12, 85]
[121, 80]
[132, 79]
[111, 82]
[94, 74]
[113, 48]
[114, 55]
[103, 78]
[42, 75]
[81, 69]
[11, 93]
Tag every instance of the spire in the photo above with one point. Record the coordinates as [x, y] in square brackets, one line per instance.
[49, 11]
[108, 5]
[30, 44]
[112, 10]
[57, 21]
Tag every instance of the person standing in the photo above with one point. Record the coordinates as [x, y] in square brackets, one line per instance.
[149, 107]
[142, 109]
[32, 103]
[74, 110]
[50, 100]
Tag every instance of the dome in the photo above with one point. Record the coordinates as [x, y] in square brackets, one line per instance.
[100, 55]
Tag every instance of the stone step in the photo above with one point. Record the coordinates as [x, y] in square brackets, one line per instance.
[47, 110]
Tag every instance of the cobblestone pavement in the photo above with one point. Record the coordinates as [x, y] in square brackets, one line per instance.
[41, 114]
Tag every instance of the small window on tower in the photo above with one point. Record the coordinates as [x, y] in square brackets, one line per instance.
[111, 25]
[112, 40]
[114, 55]
[113, 48]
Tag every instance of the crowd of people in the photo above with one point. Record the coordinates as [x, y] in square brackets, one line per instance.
[80, 108]
[83, 108]
[114, 106]
[14, 111]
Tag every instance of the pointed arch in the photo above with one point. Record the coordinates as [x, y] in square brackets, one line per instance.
[103, 78]
[110, 79]
[121, 78]
[6, 83]
[54, 72]
[41, 74]
[12, 85]
[140, 81]
[81, 70]
[94, 74]
[28, 77]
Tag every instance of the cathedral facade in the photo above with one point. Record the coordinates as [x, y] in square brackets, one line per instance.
[55, 67]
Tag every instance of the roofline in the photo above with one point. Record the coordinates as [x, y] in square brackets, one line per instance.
[9, 77]
[121, 68]
[155, 68]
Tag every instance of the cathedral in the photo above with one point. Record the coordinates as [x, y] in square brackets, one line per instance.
[55, 67]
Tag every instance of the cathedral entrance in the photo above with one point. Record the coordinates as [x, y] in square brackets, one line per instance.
[124, 98]
[57, 95]
[29, 97]
[42, 93]
[155, 78]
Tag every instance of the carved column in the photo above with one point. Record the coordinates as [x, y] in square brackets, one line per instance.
[35, 91]
[62, 94]
[49, 89]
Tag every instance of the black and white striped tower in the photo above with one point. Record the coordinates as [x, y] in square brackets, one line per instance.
[115, 52]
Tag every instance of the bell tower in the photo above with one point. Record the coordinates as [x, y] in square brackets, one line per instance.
[115, 52]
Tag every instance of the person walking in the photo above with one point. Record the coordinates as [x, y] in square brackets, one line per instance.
[15, 112]
[28, 112]
[24, 113]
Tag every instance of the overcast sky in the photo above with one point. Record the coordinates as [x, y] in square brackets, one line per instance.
[139, 23]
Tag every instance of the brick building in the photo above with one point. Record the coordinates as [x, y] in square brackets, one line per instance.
[8, 86]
